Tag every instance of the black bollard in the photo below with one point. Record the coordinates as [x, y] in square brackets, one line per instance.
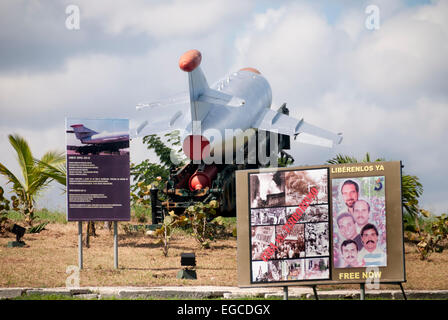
[154, 204]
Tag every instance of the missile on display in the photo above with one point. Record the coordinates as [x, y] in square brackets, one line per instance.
[214, 119]
[239, 101]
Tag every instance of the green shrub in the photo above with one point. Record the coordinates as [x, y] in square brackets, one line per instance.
[431, 233]
[141, 213]
[164, 233]
[205, 226]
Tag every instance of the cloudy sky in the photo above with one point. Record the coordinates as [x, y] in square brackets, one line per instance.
[386, 89]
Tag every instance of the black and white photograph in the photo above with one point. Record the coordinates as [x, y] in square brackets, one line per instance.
[291, 210]
[298, 184]
[261, 238]
[268, 216]
[317, 268]
[274, 270]
[317, 239]
[318, 213]
[293, 246]
[267, 189]
[267, 271]
[260, 271]
[294, 269]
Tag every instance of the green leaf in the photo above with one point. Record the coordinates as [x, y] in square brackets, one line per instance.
[38, 228]
[168, 220]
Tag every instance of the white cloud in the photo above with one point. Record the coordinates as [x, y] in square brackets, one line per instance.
[407, 56]
[161, 19]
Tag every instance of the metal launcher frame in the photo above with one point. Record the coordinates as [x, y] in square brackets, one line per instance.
[221, 180]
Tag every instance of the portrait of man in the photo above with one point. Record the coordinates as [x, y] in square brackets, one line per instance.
[349, 250]
[350, 193]
[371, 253]
[358, 202]
[347, 228]
[361, 213]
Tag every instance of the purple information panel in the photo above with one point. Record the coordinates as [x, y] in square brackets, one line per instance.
[98, 186]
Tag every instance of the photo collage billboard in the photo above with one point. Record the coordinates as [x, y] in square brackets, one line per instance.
[322, 224]
[301, 251]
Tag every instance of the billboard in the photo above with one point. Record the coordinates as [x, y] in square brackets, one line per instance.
[98, 185]
[320, 225]
[287, 243]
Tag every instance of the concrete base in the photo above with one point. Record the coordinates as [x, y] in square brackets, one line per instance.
[187, 274]
[203, 292]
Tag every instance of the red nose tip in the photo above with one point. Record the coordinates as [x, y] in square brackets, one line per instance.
[251, 70]
[201, 180]
[190, 60]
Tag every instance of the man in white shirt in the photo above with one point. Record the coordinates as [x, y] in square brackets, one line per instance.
[371, 253]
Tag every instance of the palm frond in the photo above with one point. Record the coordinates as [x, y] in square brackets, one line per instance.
[17, 184]
[57, 172]
[24, 156]
[340, 158]
[53, 158]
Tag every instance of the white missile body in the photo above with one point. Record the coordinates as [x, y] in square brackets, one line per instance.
[238, 102]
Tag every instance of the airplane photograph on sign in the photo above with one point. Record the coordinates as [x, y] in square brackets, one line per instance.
[96, 136]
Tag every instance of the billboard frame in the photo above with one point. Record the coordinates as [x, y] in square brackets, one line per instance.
[393, 273]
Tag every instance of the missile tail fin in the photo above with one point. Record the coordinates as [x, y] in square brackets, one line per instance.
[198, 86]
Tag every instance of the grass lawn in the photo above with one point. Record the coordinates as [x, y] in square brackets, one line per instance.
[44, 261]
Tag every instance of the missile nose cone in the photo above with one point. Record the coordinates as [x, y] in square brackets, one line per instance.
[190, 60]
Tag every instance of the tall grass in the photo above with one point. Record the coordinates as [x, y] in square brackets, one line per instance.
[52, 216]
[140, 213]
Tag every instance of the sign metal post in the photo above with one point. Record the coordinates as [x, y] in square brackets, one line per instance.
[115, 245]
[80, 244]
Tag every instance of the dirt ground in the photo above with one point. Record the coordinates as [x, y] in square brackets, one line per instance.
[44, 261]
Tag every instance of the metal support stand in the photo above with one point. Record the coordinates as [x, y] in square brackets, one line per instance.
[402, 291]
[115, 245]
[315, 293]
[80, 244]
[285, 293]
[362, 295]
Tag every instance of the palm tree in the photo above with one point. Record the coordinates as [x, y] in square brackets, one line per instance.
[411, 189]
[36, 174]
[54, 170]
